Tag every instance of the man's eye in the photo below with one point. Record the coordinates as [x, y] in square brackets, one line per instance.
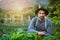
[39, 13]
[43, 13]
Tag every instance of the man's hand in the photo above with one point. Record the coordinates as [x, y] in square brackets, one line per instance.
[42, 33]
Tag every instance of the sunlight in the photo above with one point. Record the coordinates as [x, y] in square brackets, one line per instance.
[17, 6]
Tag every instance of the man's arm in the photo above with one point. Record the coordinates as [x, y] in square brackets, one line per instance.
[31, 27]
[49, 29]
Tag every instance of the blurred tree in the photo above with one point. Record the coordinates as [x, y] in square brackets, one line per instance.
[54, 8]
[1, 16]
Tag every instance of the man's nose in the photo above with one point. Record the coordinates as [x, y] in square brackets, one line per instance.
[41, 14]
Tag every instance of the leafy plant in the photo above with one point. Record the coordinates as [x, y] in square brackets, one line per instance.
[49, 38]
[21, 34]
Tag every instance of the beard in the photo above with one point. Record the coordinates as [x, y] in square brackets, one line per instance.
[41, 17]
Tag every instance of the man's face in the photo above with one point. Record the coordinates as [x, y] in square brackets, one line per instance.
[41, 14]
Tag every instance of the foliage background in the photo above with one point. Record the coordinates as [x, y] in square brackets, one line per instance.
[11, 31]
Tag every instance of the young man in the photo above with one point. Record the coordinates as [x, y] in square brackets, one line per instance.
[40, 24]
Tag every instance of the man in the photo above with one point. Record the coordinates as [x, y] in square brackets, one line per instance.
[40, 24]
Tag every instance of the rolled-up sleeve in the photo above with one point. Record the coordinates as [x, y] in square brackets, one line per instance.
[31, 27]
